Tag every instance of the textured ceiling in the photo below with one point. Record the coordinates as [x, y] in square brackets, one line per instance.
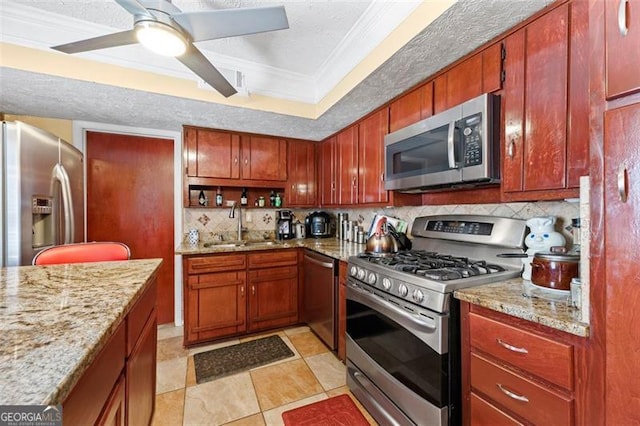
[465, 26]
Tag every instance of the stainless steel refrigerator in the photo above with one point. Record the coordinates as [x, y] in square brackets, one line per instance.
[42, 194]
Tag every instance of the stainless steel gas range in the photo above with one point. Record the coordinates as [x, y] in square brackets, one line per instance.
[403, 325]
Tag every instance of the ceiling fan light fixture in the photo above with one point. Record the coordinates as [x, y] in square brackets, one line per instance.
[160, 38]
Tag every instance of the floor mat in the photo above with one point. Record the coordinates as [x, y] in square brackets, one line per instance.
[233, 359]
[337, 411]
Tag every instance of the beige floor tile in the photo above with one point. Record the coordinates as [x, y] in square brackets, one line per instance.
[296, 330]
[255, 420]
[171, 348]
[273, 417]
[166, 331]
[191, 373]
[283, 383]
[169, 409]
[329, 370]
[220, 401]
[345, 390]
[199, 349]
[170, 375]
[308, 344]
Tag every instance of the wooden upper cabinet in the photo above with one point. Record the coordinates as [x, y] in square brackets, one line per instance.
[347, 165]
[327, 172]
[264, 158]
[622, 37]
[301, 188]
[411, 108]
[481, 73]
[545, 111]
[212, 154]
[371, 133]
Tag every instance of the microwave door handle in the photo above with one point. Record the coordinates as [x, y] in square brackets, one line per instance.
[451, 145]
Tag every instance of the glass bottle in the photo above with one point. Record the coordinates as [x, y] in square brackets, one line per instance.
[219, 197]
[278, 200]
[243, 197]
[272, 198]
[202, 200]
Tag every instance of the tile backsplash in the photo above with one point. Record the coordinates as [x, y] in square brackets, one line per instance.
[212, 223]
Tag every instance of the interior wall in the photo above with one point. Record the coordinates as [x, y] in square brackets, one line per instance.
[61, 128]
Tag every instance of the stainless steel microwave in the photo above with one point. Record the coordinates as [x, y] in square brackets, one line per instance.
[457, 147]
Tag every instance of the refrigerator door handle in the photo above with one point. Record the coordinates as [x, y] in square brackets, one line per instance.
[60, 174]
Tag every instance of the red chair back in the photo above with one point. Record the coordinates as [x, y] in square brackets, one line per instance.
[82, 253]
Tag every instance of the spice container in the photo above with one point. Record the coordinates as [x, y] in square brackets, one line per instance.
[261, 201]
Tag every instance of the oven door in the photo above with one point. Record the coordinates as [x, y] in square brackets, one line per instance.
[397, 358]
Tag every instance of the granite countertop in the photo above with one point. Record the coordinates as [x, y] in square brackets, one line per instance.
[55, 319]
[521, 299]
[332, 247]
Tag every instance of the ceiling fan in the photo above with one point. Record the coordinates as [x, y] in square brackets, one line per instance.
[163, 28]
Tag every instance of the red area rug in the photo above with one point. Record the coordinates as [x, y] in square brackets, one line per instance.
[337, 411]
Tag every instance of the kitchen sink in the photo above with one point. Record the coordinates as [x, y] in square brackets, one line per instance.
[261, 243]
[242, 243]
[224, 244]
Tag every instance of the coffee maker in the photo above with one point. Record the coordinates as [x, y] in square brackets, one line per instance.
[284, 225]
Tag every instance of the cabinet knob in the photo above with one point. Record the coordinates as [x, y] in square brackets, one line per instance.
[253, 290]
[242, 291]
[235, 160]
[246, 161]
[381, 177]
[623, 17]
[623, 182]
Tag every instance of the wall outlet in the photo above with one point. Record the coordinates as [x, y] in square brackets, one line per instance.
[248, 217]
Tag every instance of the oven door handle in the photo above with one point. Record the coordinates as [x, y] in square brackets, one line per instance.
[389, 309]
[366, 384]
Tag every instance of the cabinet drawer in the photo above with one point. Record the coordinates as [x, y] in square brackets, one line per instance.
[270, 258]
[548, 359]
[485, 414]
[204, 264]
[521, 396]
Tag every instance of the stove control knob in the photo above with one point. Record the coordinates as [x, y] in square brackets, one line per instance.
[361, 274]
[417, 296]
[386, 284]
[354, 271]
[372, 278]
[403, 290]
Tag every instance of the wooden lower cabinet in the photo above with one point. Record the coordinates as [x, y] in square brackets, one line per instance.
[518, 372]
[232, 294]
[119, 386]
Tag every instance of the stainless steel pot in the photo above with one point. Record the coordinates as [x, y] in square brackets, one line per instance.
[381, 241]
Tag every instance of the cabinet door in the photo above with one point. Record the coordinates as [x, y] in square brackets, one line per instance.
[141, 375]
[622, 221]
[273, 299]
[536, 104]
[301, 188]
[492, 58]
[347, 171]
[327, 172]
[114, 411]
[622, 47]
[264, 158]
[371, 133]
[213, 154]
[464, 81]
[411, 108]
[216, 305]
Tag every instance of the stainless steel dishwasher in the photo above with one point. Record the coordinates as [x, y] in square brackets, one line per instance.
[320, 294]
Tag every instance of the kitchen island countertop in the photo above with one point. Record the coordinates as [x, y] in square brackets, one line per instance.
[332, 247]
[521, 299]
[55, 319]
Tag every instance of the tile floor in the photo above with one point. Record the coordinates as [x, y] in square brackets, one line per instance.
[254, 397]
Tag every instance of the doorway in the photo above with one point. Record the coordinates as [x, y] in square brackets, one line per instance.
[130, 198]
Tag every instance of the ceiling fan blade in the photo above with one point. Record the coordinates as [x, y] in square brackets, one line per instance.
[200, 65]
[134, 7]
[110, 40]
[213, 24]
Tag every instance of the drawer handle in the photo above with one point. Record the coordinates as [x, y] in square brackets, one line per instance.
[512, 348]
[623, 182]
[511, 151]
[511, 394]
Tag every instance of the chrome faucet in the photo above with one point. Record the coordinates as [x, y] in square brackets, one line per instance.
[232, 215]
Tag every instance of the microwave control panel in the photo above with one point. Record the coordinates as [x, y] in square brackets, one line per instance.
[472, 140]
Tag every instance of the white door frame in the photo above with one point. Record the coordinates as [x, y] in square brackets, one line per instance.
[80, 129]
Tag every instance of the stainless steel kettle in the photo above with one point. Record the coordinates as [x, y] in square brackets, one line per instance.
[381, 241]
